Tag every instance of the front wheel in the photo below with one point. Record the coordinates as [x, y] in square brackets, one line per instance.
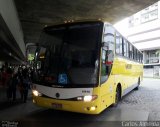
[117, 96]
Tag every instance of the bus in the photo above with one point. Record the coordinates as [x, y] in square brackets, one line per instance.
[84, 67]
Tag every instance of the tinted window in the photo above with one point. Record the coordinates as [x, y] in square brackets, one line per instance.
[118, 44]
[130, 51]
[125, 46]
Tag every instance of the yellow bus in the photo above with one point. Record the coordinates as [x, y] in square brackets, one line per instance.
[84, 67]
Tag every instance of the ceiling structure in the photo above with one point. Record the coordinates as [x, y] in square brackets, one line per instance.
[9, 49]
[35, 14]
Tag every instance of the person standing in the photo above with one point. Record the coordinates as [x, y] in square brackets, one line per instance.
[9, 87]
[25, 85]
[15, 82]
[4, 76]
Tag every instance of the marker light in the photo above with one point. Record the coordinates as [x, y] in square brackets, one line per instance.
[92, 108]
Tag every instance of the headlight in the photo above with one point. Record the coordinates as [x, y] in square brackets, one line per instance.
[87, 98]
[36, 93]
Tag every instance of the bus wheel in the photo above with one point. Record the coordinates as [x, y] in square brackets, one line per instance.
[117, 96]
[138, 84]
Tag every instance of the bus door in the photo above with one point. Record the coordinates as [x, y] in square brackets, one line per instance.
[106, 78]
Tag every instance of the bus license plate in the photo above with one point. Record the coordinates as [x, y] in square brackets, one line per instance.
[57, 106]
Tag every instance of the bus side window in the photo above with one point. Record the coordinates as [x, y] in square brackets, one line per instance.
[125, 48]
[141, 58]
[119, 44]
[130, 51]
[134, 54]
[138, 56]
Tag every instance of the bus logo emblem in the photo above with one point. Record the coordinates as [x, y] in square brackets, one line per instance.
[57, 95]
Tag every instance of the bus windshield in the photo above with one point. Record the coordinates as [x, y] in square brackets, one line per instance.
[68, 56]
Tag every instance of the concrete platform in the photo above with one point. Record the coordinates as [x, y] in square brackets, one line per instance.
[141, 105]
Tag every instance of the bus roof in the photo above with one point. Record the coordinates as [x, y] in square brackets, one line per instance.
[70, 22]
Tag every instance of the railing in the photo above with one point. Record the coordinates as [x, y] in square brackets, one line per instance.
[152, 60]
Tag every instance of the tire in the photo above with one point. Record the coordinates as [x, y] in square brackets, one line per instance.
[117, 97]
[138, 84]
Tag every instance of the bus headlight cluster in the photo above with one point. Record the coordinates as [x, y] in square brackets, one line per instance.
[87, 98]
[36, 93]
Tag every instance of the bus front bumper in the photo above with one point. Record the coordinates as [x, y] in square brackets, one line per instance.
[73, 106]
